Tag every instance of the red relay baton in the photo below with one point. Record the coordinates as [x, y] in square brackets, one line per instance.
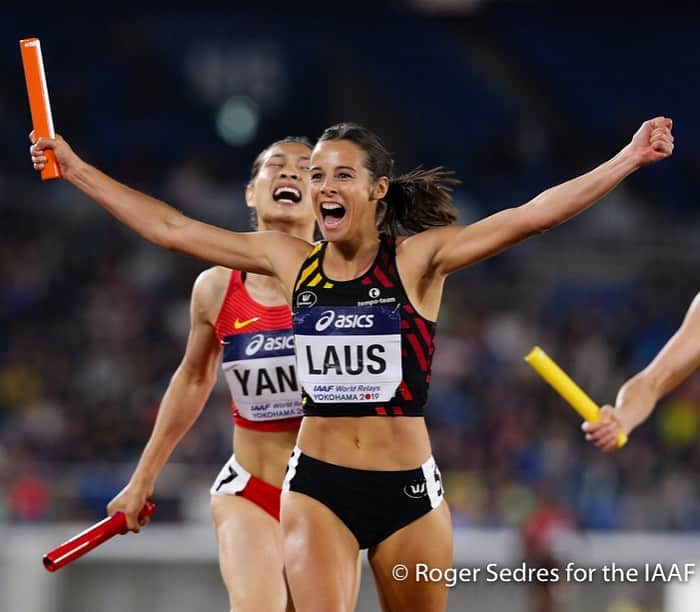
[93, 536]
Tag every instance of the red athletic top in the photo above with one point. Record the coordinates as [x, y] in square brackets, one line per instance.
[258, 361]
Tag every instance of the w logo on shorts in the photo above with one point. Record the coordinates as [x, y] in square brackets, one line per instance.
[416, 490]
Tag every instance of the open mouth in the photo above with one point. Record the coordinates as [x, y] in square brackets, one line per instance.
[332, 213]
[287, 194]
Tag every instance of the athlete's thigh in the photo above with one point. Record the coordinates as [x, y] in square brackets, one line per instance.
[427, 540]
[251, 554]
[320, 555]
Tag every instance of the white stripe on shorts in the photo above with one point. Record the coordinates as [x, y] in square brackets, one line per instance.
[291, 468]
[433, 481]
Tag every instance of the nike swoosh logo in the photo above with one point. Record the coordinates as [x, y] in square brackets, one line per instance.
[241, 324]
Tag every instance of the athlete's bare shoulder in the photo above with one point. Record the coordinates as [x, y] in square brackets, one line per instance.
[290, 247]
[289, 255]
[417, 252]
[209, 292]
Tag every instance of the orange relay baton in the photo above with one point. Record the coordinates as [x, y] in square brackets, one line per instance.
[39, 105]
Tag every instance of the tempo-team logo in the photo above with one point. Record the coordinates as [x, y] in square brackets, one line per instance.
[306, 298]
[374, 293]
[350, 321]
[274, 343]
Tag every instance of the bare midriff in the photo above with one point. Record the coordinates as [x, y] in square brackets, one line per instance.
[366, 443]
[264, 454]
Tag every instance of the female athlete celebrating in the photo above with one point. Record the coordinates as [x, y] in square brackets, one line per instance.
[246, 318]
[365, 304]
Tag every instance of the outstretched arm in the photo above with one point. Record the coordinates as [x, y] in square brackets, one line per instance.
[272, 253]
[184, 398]
[446, 250]
[637, 398]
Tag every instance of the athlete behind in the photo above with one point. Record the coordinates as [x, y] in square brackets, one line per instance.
[366, 302]
[636, 399]
[244, 318]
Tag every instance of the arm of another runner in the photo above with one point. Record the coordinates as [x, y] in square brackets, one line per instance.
[272, 253]
[448, 249]
[636, 400]
[184, 398]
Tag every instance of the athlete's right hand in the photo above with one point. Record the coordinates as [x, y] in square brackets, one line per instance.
[130, 500]
[66, 158]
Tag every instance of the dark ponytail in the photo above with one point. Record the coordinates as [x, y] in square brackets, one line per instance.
[416, 201]
[419, 200]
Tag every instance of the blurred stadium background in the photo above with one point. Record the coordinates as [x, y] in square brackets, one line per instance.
[515, 96]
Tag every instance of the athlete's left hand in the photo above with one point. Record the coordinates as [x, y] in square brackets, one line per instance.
[652, 142]
[604, 433]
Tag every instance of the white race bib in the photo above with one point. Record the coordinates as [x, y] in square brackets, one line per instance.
[349, 353]
[261, 375]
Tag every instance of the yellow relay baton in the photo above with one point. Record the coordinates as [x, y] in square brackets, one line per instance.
[567, 388]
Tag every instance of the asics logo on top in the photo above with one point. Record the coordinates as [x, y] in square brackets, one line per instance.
[325, 320]
[350, 321]
[274, 343]
[241, 324]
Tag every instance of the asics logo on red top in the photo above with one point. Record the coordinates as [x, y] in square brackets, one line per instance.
[268, 343]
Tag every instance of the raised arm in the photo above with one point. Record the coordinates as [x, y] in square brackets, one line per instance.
[446, 250]
[637, 398]
[271, 253]
[184, 398]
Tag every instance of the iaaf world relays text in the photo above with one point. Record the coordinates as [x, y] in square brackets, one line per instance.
[571, 572]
